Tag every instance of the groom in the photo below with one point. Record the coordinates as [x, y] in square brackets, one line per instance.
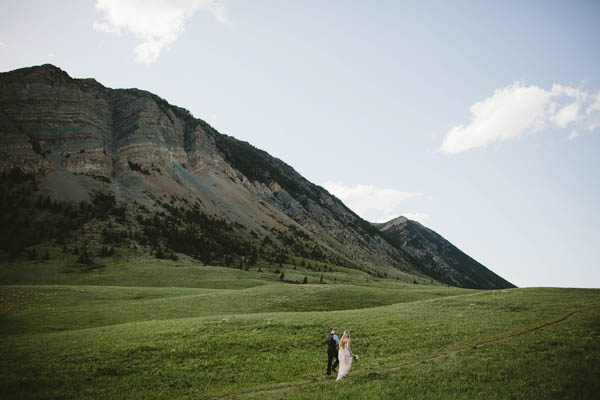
[332, 341]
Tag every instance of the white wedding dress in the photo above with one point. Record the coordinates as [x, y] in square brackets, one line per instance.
[345, 358]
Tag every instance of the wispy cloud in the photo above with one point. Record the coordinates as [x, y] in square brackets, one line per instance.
[375, 204]
[518, 109]
[2, 44]
[219, 9]
[157, 23]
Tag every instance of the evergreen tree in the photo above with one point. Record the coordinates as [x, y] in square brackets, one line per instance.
[85, 258]
[103, 251]
[252, 258]
[159, 253]
[281, 276]
[305, 281]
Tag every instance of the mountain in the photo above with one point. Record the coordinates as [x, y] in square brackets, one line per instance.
[82, 163]
[436, 257]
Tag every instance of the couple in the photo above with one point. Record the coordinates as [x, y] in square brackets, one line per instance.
[343, 356]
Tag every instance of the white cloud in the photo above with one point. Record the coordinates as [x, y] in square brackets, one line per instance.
[594, 106]
[220, 11]
[566, 115]
[51, 55]
[2, 44]
[579, 94]
[517, 109]
[573, 134]
[157, 23]
[504, 115]
[373, 203]
[593, 126]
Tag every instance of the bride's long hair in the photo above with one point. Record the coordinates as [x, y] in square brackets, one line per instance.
[345, 339]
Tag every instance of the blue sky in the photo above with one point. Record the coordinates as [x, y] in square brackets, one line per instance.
[479, 119]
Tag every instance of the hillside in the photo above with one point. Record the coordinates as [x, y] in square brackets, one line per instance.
[245, 334]
[434, 256]
[84, 165]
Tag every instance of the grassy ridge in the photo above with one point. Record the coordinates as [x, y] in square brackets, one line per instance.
[38, 309]
[132, 269]
[126, 271]
[242, 349]
[147, 328]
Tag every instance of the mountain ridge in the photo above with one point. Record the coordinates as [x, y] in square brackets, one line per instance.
[78, 137]
[437, 257]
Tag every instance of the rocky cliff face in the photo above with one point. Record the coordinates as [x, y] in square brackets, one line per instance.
[436, 257]
[78, 137]
[50, 120]
[68, 131]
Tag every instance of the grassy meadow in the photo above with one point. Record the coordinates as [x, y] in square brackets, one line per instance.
[138, 327]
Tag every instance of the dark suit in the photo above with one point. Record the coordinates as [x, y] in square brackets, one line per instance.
[331, 353]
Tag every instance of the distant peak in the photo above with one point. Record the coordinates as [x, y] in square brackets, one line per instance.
[44, 71]
[50, 69]
[396, 222]
[44, 68]
[47, 73]
[49, 66]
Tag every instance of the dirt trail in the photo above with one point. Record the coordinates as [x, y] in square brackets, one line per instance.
[291, 385]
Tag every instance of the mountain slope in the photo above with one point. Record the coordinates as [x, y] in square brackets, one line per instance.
[436, 257]
[163, 181]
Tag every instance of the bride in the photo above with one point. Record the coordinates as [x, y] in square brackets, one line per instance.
[345, 356]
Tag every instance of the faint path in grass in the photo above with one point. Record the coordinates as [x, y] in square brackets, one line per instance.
[291, 385]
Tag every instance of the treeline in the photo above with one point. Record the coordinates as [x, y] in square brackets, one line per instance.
[184, 228]
[188, 230]
[27, 218]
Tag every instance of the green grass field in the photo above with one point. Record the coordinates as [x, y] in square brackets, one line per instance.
[146, 328]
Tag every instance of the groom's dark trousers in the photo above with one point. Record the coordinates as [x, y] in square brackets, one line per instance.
[331, 355]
